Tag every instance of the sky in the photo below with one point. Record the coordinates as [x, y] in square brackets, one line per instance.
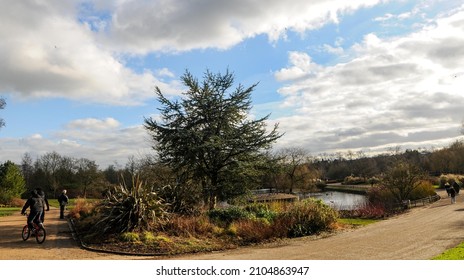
[78, 77]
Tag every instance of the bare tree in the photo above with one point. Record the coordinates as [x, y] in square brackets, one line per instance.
[402, 178]
[297, 172]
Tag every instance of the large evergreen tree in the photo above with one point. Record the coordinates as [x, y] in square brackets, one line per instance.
[208, 132]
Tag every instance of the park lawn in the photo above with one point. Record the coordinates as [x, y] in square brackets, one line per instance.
[7, 211]
[72, 201]
[356, 221]
[456, 253]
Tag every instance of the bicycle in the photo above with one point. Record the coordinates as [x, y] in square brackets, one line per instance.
[37, 230]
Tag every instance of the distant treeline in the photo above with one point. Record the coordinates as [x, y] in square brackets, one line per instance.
[83, 177]
[448, 160]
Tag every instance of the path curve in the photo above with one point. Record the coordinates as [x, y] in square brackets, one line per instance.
[59, 244]
[420, 234]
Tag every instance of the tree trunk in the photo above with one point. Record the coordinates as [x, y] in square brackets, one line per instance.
[212, 201]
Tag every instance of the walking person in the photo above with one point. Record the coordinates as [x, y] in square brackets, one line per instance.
[447, 188]
[63, 201]
[456, 187]
[453, 195]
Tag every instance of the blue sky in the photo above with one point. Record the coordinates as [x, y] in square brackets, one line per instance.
[79, 76]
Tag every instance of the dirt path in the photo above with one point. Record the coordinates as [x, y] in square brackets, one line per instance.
[419, 234]
[59, 244]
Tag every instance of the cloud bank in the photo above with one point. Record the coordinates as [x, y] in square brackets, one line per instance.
[402, 91]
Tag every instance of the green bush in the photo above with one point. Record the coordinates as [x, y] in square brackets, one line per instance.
[148, 237]
[126, 209]
[261, 211]
[12, 183]
[129, 237]
[308, 217]
[228, 215]
[352, 180]
[424, 189]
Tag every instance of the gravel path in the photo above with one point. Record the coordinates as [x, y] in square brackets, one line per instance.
[420, 234]
[59, 244]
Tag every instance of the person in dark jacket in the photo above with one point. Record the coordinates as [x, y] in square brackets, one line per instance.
[456, 187]
[36, 205]
[46, 205]
[453, 195]
[63, 200]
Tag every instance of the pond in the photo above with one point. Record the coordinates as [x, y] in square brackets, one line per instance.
[341, 200]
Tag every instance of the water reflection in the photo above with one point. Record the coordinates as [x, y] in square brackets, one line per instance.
[341, 200]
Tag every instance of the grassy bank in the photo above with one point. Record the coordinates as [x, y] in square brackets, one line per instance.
[356, 221]
[456, 253]
[7, 211]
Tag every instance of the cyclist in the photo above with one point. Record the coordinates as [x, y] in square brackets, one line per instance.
[36, 204]
[46, 206]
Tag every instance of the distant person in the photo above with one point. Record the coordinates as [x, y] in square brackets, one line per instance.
[453, 195]
[46, 206]
[63, 201]
[456, 187]
[447, 188]
[36, 205]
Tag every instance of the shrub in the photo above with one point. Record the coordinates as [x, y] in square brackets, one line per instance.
[82, 208]
[147, 237]
[254, 231]
[226, 216]
[366, 211]
[179, 225]
[424, 189]
[16, 202]
[261, 211]
[352, 180]
[127, 209]
[129, 237]
[182, 198]
[380, 196]
[308, 217]
[12, 183]
[402, 178]
[373, 181]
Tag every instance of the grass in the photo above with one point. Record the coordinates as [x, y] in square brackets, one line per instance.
[53, 202]
[7, 211]
[356, 221]
[456, 253]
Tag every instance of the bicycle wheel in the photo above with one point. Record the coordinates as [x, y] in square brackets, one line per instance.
[26, 232]
[40, 235]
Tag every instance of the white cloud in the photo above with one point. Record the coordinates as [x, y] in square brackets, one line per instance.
[396, 91]
[301, 66]
[47, 52]
[77, 49]
[93, 124]
[102, 140]
[145, 26]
